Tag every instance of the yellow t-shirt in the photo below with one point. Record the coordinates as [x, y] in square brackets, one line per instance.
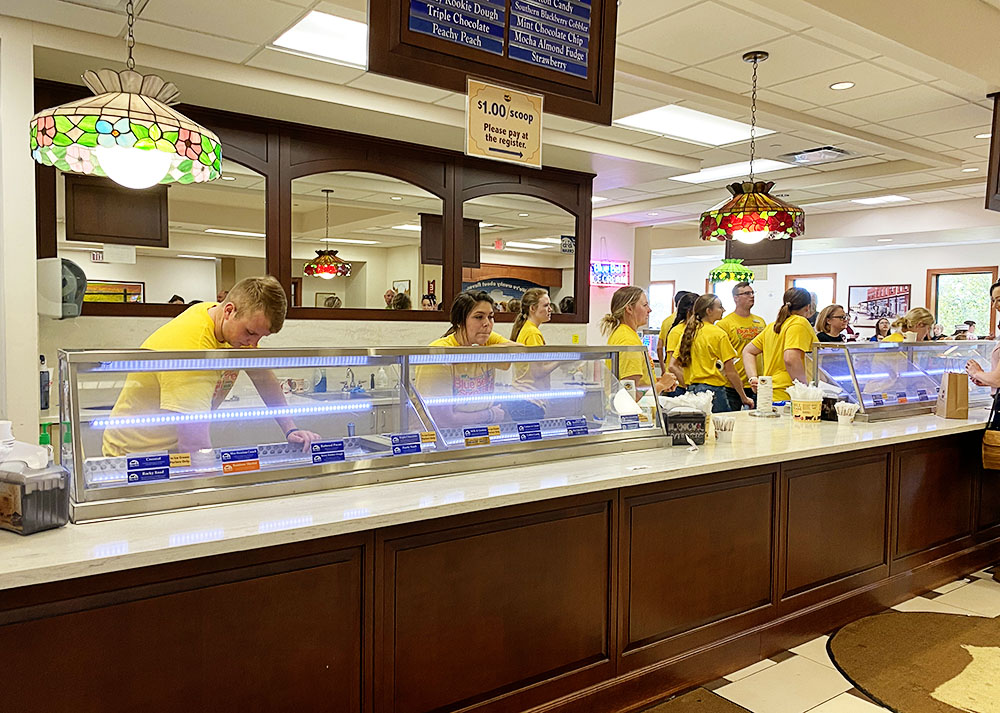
[796, 333]
[711, 345]
[674, 340]
[897, 337]
[530, 336]
[463, 379]
[157, 393]
[665, 327]
[741, 331]
[634, 363]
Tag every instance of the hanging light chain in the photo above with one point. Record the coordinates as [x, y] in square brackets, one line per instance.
[753, 118]
[130, 38]
[326, 233]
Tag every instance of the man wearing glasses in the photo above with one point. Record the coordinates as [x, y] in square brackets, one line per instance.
[741, 326]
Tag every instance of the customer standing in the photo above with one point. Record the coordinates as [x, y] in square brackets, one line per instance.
[666, 326]
[830, 324]
[976, 373]
[741, 327]
[882, 329]
[918, 320]
[629, 311]
[703, 347]
[784, 344]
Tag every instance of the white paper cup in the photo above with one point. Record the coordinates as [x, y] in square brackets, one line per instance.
[724, 436]
[845, 418]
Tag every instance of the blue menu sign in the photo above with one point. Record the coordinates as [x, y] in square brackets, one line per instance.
[529, 431]
[148, 467]
[554, 34]
[405, 444]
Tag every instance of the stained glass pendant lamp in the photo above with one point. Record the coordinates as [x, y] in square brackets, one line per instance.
[127, 131]
[752, 214]
[731, 270]
[326, 264]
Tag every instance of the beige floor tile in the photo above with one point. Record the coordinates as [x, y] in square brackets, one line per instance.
[981, 597]
[749, 670]
[951, 586]
[846, 703]
[815, 650]
[982, 574]
[792, 686]
[937, 606]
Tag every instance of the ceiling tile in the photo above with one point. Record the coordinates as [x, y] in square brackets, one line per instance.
[696, 74]
[968, 116]
[227, 18]
[562, 123]
[63, 14]
[636, 13]
[350, 9]
[960, 139]
[191, 42]
[299, 66]
[900, 102]
[454, 101]
[627, 104]
[903, 180]
[616, 133]
[627, 53]
[682, 36]
[759, 10]
[869, 79]
[884, 131]
[792, 57]
[836, 117]
[927, 144]
[842, 43]
[848, 163]
[904, 69]
[681, 148]
[398, 87]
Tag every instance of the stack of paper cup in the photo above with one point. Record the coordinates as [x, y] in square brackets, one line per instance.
[846, 411]
[765, 394]
[724, 427]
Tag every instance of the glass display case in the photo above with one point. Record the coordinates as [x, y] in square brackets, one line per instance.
[896, 379]
[148, 431]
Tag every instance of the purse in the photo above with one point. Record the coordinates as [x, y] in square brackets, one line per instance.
[991, 437]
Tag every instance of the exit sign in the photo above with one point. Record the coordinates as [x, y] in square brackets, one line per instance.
[610, 273]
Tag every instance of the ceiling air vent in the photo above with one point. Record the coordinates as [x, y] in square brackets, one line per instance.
[811, 157]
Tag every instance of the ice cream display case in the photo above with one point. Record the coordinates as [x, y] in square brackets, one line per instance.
[896, 379]
[148, 431]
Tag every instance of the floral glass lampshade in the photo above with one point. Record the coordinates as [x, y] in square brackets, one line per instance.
[127, 132]
[731, 270]
[327, 265]
[752, 215]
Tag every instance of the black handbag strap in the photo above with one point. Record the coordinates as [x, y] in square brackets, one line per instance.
[993, 422]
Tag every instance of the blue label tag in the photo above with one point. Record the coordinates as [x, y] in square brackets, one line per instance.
[159, 460]
[878, 402]
[577, 431]
[406, 449]
[230, 455]
[629, 422]
[326, 446]
[530, 435]
[528, 427]
[576, 423]
[476, 432]
[144, 474]
[405, 439]
[328, 457]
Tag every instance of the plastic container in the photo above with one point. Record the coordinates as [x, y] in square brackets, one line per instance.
[807, 410]
[33, 499]
[682, 425]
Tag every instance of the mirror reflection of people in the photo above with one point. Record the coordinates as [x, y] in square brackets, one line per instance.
[783, 344]
[401, 300]
[830, 324]
[629, 311]
[428, 303]
[176, 300]
[220, 297]
[253, 309]
[567, 305]
[333, 302]
[536, 310]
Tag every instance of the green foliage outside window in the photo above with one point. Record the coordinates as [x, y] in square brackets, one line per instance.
[963, 296]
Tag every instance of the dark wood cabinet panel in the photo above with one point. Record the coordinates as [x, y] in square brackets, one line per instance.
[836, 520]
[474, 612]
[292, 640]
[694, 556]
[989, 500]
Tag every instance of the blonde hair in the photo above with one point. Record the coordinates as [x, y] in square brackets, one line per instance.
[916, 316]
[824, 316]
[260, 294]
[622, 299]
[529, 301]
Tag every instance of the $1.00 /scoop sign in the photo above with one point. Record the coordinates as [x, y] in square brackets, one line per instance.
[504, 124]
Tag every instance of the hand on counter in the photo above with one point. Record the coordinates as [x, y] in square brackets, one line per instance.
[300, 435]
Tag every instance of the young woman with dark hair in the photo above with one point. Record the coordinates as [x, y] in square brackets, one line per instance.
[685, 306]
[784, 344]
[882, 330]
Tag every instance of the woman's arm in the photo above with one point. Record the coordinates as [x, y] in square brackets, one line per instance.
[677, 370]
[661, 354]
[980, 377]
[729, 369]
[750, 353]
[795, 365]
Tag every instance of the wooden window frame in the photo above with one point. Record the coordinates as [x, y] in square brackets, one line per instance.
[931, 293]
[790, 282]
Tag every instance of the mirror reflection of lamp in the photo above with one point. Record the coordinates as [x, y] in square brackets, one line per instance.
[326, 265]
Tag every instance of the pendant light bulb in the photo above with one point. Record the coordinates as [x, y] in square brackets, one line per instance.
[133, 168]
[750, 237]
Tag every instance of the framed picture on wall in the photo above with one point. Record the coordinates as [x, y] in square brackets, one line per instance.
[114, 291]
[402, 286]
[870, 303]
[330, 300]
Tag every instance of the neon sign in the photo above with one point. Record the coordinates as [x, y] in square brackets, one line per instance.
[610, 273]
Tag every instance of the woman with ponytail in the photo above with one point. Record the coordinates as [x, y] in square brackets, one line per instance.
[535, 310]
[629, 311]
[918, 320]
[685, 306]
[784, 344]
[702, 347]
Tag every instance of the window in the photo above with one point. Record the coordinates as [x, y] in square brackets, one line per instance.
[823, 286]
[956, 295]
[661, 300]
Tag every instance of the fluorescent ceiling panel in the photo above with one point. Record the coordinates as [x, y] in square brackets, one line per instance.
[549, 241]
[414, 228]
[733, 170]
[879, 200]
[349, 241]
[528, 246]
[244, 233]
[328, 37]
[695, 127]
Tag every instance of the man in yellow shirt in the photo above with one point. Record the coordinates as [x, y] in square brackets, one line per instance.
[741, 326]
[255, 307]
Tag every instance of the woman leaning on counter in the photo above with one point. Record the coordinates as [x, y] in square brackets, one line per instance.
[629, 311]
[784, 344]
[918, 320]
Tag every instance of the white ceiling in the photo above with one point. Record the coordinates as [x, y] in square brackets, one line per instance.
[910, 119]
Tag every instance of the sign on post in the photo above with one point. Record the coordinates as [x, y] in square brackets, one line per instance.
[504, 124]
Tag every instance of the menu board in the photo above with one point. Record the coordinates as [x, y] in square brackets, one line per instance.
[562, 49]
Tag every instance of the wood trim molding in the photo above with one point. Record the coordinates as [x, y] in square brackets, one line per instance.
[931, 293]
[790, 281]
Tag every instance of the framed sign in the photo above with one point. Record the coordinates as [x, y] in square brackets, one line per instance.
[114, 291]
[562, 49]
[870, 303]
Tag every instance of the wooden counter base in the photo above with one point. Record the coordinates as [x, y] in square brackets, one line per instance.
[605, 601]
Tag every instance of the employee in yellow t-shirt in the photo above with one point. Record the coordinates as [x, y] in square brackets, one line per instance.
[742, 326]
[254, 308]
[629, 311]
[462, 392]
[704, 347]
[666, 326]
[784, 344]
[684, 310]
[536, 310]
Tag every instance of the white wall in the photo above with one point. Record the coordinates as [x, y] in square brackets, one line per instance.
[609, 241]
[164, 277]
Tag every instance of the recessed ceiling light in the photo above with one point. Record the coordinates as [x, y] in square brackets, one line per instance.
[228, 178]
[523, 215]
[983, 136]
[654, 213]
[879, 200]
[549, 241]
[840, 86]
[328, 37]
[197, 257]
[970, 169]
[395, 198]
[415, 228]
[696, 127]
[731, 170]
[885, 240]
[529, 246]
[244, 233]
[349, 241]
[597, 199]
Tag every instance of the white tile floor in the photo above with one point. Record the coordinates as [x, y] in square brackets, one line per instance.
[807, 680]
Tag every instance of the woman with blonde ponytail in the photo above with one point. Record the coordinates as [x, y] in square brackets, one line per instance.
[918, 320]
[784, 344]
[629, 311]
[536, 310]
[703, 346]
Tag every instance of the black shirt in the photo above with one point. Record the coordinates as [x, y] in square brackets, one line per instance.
[824, 337]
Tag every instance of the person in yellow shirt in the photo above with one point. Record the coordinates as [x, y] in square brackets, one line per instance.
[464, 389]
[742, 326]
[684, 310]
[629, 311]
[254, 308]
[918, 320]
[535, 310]
[666, 326]
[703, 347]
[784, 344]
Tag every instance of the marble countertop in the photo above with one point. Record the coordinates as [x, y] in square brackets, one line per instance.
[99, 547]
